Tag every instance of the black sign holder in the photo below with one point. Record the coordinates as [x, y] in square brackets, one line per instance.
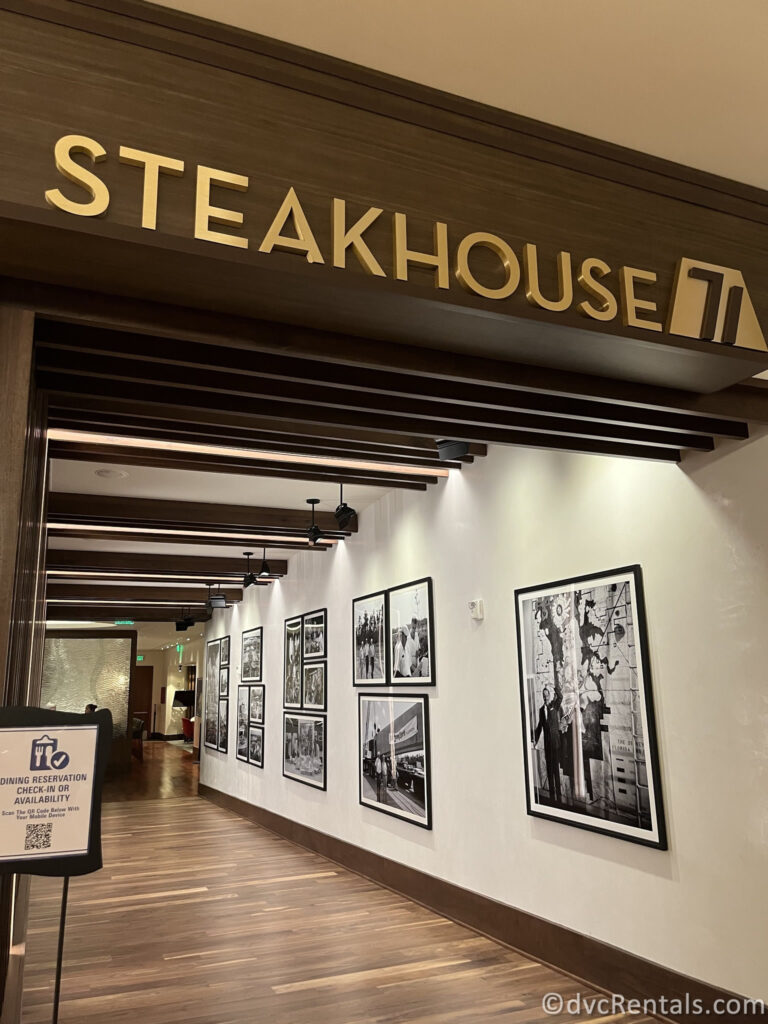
[66, 866]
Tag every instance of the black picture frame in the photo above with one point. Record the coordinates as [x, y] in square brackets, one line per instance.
[225, 652]
[224, 725]
[410, 781]
[211, 702]
[384, 659]
[314, 667]
[253, 732]
[249, 639]
[241, 734]
[260, 689]
[315, 653]
[303, 716]
[624, 605]
[224, 682]
[430, 679]
[293, 633]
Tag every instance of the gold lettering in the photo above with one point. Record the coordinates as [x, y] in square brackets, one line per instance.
[404, 255]
[305, 240]
[564, 280]
[498, 247]
[65, 164]
[153, 164]
[205, 214]
[630, 304]
[606, 307]
[344, 238]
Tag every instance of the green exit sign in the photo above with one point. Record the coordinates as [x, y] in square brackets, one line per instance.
[124, 622]
[139, 657]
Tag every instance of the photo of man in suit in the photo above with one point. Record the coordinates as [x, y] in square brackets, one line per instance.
[550, 714]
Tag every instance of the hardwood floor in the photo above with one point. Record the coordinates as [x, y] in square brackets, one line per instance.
[166, 771]
[204, 918]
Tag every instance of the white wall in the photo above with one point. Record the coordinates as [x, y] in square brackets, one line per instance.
[522, 517]
[165, 665]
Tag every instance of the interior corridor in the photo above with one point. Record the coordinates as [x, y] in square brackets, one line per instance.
[201, 917]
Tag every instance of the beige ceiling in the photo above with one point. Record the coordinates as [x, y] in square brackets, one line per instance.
[681, 79]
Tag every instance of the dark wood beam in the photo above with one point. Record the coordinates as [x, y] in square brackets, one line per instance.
[108, 613]
[148, 536]
[138, 562]
[64, 507]
[133, 594]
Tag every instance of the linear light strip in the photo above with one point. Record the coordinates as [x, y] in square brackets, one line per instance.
[271, 540]
[130, 603]
[84, 437]
[127, 579]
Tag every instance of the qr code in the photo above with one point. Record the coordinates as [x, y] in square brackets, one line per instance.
[39, 836]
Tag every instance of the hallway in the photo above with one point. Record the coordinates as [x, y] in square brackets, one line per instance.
[204, 918]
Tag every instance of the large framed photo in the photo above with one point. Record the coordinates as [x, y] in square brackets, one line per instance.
[250, 664]
[394, 765]
[256, 746]
[292, 664]
[256, 705]
[304, 748]
[243, 697]
[314, 634]
[369, 638]
[224, 651]
[313, 693]
[211, 724]
[589, 735]
[410, 622]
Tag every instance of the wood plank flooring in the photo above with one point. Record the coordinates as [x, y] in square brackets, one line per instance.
[201, 917]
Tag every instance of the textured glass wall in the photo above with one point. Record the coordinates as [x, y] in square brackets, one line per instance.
[89, 670]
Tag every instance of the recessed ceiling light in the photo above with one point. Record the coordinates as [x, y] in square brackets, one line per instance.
[111, 474]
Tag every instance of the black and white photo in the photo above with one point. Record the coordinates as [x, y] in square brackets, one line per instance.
[223, 725]
[411, 634]
[256, 705]
[224, 651]
[304, 748]
[212, 656]
[242, 723]
[591, 757]
[256, 746]
[292, 664]
[394, 763]
[370, 640]
[250, 667]
[223, 682]
[313, 697]
[314, 634]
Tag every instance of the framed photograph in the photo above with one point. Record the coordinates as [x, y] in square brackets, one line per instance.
[589, 735]
[314, 634]
[313, 693]
[250, 665]
[242, 722]
[394, 766]
[292, 664]
[369, 639]
[256, 746]
[410, 622]
[211, 724]
[223, 725]
[224, 651]
[223, 682]
[304, 748]
[256, 705]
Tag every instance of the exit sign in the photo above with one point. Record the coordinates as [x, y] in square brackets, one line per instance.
[139, 657]
[124, 622]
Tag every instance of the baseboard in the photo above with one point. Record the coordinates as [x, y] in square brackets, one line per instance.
[167, 736]
[596, 963]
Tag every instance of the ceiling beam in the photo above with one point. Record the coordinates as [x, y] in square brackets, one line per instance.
[139, 562]
[109, 613]
[103, 594]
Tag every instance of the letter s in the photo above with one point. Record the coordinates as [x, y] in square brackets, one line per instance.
[87, 180]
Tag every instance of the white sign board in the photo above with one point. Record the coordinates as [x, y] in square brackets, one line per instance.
[46, 791]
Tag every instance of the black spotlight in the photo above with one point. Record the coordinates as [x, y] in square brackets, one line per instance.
[249, 579]
[344, 514]
[314, 533]
[264, 570]
[448, 450]
[216, 600]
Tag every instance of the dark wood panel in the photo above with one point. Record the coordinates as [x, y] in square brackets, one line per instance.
[139, 562]
[581, 956]
[149, 536]
[111, 612]
[57, 592]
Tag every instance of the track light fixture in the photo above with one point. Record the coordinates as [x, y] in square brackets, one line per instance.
[344, 513]
[264, 570]
[216, 600]
[185, 622]
[314, 533]
[447, 450]
[249, 579]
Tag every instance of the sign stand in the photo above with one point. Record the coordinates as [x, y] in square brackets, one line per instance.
[60, 953]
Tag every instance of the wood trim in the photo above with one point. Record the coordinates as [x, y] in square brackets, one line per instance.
[125, 595]
[212, 43]
[596, 963]
[139, 563]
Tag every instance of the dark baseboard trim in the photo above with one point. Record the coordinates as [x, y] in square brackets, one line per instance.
[167, 736]
[596, 963]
